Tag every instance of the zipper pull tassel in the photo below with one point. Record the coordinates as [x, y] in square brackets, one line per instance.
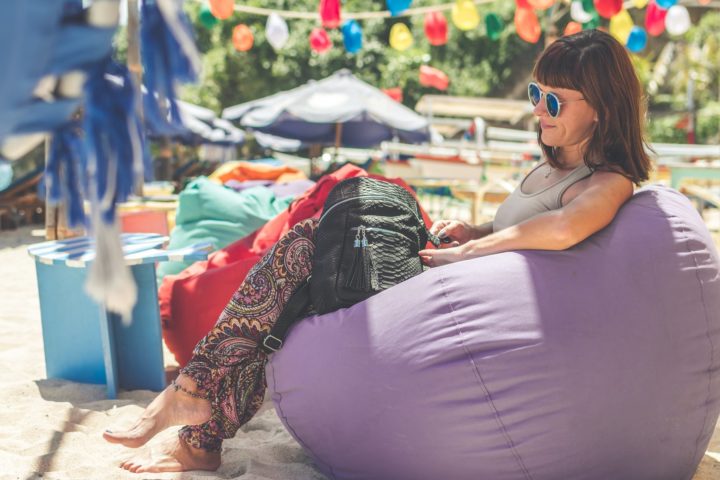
[360, 240]
[362, 276]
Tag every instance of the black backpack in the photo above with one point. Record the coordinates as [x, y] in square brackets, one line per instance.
[368, 240]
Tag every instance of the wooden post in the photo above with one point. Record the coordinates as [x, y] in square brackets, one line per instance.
[338, 138]
[56, 227]
[133, 51]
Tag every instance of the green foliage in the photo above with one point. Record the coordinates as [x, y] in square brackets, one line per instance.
[475, 64]
[708, 123]
[662, 129]
[696, 60]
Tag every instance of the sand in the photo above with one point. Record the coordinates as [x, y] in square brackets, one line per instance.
[51, 429]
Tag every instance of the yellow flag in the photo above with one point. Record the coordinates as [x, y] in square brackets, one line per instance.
[400, 37]
[620, 25]
[464, 15]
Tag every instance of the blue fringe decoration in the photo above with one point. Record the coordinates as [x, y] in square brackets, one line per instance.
[114, 138]
[64, 174]
[167, 59]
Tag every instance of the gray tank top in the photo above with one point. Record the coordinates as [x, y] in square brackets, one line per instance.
[520, 206]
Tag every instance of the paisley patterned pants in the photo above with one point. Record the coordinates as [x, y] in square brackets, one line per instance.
[227, 365]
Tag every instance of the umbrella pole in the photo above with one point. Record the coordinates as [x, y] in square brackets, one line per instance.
[338, 137]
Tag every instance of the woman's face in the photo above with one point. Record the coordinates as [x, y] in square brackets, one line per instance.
[575, 123]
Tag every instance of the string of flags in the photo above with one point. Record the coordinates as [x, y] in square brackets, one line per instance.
[660, 16]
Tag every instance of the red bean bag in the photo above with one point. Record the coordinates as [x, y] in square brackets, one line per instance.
[192, 301]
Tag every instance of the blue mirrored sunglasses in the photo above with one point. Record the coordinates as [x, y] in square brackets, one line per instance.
[552, 102]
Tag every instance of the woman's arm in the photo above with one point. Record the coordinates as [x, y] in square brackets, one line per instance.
[589, 212]
[460, 232]
[482, 230]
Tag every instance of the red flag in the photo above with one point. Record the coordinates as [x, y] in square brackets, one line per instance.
[330, 13]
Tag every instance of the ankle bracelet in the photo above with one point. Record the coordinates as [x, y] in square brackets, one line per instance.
[185, 390]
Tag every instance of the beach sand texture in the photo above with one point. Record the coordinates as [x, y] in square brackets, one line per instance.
[51, 429]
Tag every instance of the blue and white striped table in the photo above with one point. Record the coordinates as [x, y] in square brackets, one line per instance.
[83, 341]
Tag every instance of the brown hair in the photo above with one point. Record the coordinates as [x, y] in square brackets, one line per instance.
[598, 66]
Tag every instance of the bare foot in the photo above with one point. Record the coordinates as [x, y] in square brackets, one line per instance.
[170, 408]
[172, 455]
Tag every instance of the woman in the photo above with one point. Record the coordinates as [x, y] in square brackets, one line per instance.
[589, 102]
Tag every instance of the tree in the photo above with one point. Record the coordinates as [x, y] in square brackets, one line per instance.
[689, 65]
[476, 65]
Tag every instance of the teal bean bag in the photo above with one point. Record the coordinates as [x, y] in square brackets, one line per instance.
[209, 212]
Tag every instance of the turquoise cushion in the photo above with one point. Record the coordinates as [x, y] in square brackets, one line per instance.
[209, 212]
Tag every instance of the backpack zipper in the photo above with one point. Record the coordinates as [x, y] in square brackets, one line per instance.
[375, 229]
[365, 197]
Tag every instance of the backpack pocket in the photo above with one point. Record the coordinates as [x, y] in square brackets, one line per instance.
[374, 259]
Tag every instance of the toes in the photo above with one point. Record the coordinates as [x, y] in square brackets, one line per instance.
[166, 466]
[130, 438]
[110, 436]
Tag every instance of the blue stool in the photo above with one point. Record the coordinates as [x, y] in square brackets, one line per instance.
[86, 343]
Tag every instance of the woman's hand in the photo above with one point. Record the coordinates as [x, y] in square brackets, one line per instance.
[455, 230]
[442, 256]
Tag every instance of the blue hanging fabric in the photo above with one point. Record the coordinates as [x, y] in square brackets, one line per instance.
[169, 56]
[64, 173]
[113, 137]
[115, 162]
[47, 45]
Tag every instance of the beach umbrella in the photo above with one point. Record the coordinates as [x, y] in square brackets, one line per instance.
[278, 144]
[190, 124]
[338, 110]
[205, 127]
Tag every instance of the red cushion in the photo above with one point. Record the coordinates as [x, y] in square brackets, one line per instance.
[191, 302]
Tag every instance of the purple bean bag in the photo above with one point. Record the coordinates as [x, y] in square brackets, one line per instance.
[599, 362]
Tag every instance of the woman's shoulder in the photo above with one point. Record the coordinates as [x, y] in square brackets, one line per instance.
[614, 181]
[604, 182]
[605, 176]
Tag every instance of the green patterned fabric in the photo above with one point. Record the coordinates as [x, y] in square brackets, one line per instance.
[209, 212]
